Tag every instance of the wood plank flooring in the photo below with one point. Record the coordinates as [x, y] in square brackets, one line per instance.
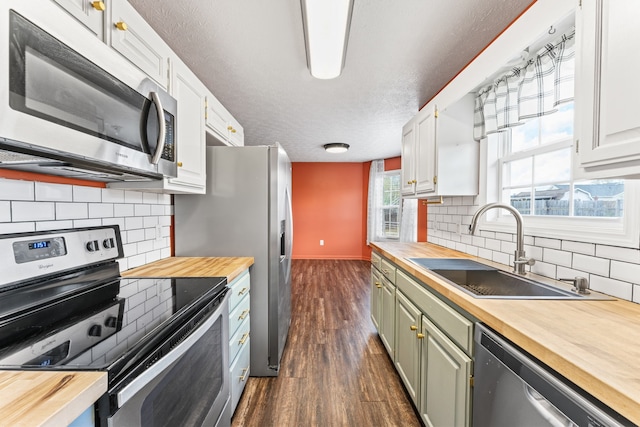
[335, 370]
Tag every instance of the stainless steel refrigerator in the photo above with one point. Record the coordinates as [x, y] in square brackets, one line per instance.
[247, 212]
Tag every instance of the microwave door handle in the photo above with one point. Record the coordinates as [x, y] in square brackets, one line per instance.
[161, 135]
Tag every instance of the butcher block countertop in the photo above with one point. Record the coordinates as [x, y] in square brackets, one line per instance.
[229, 267]
[30, 398]
[595, 344]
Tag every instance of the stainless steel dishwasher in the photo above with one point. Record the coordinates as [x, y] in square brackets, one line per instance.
[513, 389]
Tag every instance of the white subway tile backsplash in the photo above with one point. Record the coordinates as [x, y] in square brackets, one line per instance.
[591, 264]
[557, 257]
[611, 287]
[53, 225]
[86, 194]
[137, 261]
[579, 247]
[548, 243]
[614, 270]
[5, 211]
[145, 246]
[156, 210]
[121, 209]
[544, 269]
[164, 199]
[114, 221]
[625, 271]
[142, 210]
[165, 252]
[620, 254]
[152, 256]
[47, 192]
[132, 197]
[96, 222]
[150, 198]
[72, 211]
[17, 190]
[135, 235]
[17, 227]
[112, 195]
[129, 249]
[100, 210]
[32, 211]
[132, 223]
[493, 244]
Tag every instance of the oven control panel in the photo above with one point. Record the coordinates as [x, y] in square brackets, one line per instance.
[35, 254]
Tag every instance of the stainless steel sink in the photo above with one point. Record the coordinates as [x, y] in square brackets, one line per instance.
[483, 281]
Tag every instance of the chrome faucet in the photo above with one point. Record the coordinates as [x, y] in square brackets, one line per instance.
[520, 258]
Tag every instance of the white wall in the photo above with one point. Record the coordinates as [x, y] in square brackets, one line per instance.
[610, 269]
[144, 218]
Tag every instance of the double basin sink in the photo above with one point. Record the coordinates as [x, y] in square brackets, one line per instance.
[483, 281]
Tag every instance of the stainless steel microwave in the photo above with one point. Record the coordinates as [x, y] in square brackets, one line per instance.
[63, 113]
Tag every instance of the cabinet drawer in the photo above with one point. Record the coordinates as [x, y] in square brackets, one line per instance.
[239, 315]
[240, 339]
[376, 260]
[388, 270]
[456, 326]
[239, 374]
[239, 288]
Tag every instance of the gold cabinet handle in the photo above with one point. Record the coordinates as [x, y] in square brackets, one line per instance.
[244, 338]
[385, 271]
[98, 5]
[243, 314]
[378, 285]
[409, 182]
[179, 164]
[122, 26]
[420, 336]
[243, 377]
[242, 291]
[413, 327]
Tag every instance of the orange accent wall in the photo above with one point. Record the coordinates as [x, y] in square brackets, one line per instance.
[329, 202]
[30, 176]
[327, 205]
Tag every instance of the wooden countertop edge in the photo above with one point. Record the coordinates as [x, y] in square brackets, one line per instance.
[229, 267]
[623, 401]
[37, 398]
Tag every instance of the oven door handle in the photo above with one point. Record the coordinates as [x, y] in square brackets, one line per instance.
[157, 368]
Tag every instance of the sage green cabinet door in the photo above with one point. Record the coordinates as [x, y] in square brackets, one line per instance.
[388, 321]
[376, 298]
[408, 344]
[445, 391]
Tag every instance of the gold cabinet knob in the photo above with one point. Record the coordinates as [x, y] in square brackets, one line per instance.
[409, 182]
[122, 26]
[413, 327]
[420, 336]
[179, 164]
[98, 5]
[233, 130]
[229, 127]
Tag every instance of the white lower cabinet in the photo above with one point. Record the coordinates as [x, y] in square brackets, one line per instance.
[445, 390]
[239, 335]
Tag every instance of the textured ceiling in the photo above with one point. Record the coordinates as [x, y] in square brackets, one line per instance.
[251, 55]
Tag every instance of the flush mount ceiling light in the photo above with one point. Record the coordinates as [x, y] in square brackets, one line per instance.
[326, 31]
[336, 147]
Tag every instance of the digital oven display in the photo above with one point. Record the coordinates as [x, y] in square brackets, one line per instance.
[39, 245]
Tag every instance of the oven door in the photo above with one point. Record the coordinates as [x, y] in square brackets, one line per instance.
[187, 386]
[59, 102]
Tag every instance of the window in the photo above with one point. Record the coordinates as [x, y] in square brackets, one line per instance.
[536, 174]
[390, 207]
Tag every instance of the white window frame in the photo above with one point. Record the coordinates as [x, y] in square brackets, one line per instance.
[381, 207]
[624, 232]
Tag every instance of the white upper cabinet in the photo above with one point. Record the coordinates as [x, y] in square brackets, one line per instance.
[130, 35]
[221, 125]
[608, 88]
[439, 155]
[88, 12]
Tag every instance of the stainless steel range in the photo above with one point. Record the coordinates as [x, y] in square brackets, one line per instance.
[64, 306]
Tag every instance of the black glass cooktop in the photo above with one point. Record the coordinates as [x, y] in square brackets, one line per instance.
[97, 333]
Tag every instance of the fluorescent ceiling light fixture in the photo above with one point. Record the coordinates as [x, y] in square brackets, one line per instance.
[326, 26]
[336, 147]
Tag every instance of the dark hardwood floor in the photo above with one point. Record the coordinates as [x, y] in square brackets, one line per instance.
[335, 370]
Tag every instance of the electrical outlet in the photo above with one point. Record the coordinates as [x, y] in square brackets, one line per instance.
[321, 242]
